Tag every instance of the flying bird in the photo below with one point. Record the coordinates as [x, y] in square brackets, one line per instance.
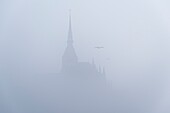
[99, 47]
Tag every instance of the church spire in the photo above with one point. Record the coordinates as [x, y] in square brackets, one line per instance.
[69, 59]
[70, 35]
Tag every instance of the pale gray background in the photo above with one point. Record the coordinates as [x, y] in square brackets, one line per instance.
[135, 35]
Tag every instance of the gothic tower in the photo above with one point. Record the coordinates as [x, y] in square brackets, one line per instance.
[69, 58]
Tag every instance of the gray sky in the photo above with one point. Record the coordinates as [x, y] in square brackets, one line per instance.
[134, 34]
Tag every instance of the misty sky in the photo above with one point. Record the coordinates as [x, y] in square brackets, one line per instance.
[135, 35]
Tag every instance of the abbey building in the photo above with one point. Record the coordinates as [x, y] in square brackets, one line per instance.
[71, 66]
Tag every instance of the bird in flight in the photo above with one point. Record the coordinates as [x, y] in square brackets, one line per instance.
[99, 47]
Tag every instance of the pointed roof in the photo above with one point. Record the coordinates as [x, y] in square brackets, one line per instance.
[70, 35]
[69, 56]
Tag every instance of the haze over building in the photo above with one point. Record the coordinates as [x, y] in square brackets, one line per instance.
[83, 84]
[71, 64]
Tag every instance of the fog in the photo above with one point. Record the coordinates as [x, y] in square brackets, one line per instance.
[134, 36]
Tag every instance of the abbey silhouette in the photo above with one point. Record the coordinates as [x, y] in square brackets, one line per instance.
[71, 65]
